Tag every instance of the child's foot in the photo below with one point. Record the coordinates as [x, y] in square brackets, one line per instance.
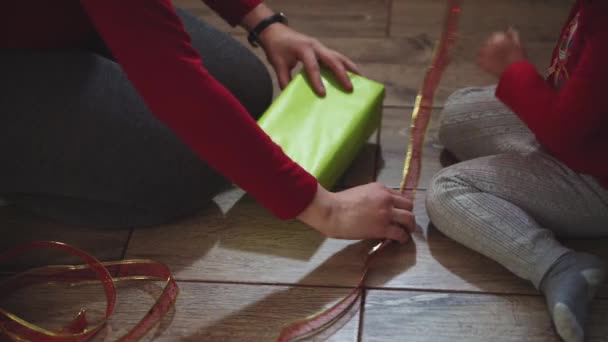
[569, 287]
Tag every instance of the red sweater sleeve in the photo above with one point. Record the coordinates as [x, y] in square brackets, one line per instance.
[232, 11]
[564, 121]
[150, 43]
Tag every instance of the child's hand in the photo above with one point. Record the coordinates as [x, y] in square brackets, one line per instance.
[499, 51]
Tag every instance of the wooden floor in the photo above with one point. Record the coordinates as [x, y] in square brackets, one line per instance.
[243, 274]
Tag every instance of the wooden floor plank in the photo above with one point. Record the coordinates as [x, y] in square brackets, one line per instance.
[371, 50]
[203, 312]
[403, 81]
[17, 226]
[539, 23]
[238, 241]
[413, 50]
[205, 14]
[241, 242]
[402, 65]
[396, 63]
[342, 18]
[400, 61]
[425, 316]
[537, 20]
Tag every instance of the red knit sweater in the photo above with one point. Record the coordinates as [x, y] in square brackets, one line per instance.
[568, 111]
[148, 40]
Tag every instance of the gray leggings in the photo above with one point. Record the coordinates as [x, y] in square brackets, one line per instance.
[508, 198]
[79, 145]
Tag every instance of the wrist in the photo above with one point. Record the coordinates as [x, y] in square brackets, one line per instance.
[264, 38]
[260, 22]
[255, 16]
[320, 211]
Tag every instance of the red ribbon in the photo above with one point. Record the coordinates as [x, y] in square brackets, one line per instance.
[93, 270]
[420, 118]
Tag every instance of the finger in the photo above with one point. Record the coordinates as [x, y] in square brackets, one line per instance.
[350, 65]
[283, 74]
[394, 191]
[514, 34]
[394, 232]
[334, 63]
[311, 65]
[405, 218]
[495, 38]
[402, 202]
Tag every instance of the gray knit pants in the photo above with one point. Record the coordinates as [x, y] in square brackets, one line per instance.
[78, 144]
[508, 199]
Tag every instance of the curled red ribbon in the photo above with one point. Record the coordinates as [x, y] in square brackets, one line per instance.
[411, 174]
[107, 273]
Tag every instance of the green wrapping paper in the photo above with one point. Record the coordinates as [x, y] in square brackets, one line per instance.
[324, 134]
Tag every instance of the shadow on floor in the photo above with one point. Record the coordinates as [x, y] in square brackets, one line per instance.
[252, 311]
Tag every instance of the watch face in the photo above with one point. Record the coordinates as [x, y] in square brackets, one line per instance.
[283, 18]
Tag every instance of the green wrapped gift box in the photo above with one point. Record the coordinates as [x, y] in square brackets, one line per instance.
[324, 134]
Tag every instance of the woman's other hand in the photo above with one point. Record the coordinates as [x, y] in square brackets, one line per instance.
[285, 48]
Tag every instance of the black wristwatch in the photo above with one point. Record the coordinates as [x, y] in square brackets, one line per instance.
[254, 35]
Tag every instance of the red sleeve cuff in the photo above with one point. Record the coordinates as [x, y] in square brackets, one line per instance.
[233, 11]
[287, 201]
[526, 93]
[511, 81]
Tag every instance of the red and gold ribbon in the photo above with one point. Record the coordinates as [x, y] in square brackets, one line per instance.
[411, 174]
[93, 270]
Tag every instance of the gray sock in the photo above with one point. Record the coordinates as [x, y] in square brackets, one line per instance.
[569, 286]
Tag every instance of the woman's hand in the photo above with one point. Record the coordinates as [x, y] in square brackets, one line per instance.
[370, 211]
[499, 51]
[285, 47]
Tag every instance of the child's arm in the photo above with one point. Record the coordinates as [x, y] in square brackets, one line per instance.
[564, 119]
